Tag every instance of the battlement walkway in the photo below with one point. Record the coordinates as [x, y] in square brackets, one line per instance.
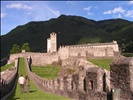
[35, 93]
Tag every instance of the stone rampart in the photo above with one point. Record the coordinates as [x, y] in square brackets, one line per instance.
[82, 65]
[8, 81]
[63, 52]
[88, 51]
[121, 72]
[69, 86]
[37, 58]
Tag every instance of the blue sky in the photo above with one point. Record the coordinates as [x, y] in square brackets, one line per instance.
[15, 13]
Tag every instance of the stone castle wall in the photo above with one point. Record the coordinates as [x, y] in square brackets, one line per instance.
[40, 59]
[87, 51]
[122, 78]
[63, 52]
[8, 80]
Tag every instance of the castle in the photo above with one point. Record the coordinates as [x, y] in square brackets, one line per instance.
[94, 50]
[90, 82]
[83, 50]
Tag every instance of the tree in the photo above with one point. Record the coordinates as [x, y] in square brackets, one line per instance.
[129, 47]
[15, 49]
[25, 47]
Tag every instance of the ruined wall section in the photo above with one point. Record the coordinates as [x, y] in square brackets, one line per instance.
[81, 65]
[121, 72]
[131, 74]
[71, 86]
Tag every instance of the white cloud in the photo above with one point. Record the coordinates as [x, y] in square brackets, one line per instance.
[129, 13]
[118, 10]
[130, 3]
[71, 2]
[2, 15]
[107, 12]
[117, 16]
[115, 10]
[19, 6]
[88, 8]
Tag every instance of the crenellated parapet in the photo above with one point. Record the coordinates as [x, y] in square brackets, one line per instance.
[88, 50]
[63, 52]
[53, 34]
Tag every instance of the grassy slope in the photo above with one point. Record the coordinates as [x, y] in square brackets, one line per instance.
[34, 94]
[47, 72]
[103, 63]
[3, 68]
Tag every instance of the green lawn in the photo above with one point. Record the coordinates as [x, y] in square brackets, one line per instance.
[3, 68]
[127, 54]
[47, 72]
[103, 63]
[34, 94]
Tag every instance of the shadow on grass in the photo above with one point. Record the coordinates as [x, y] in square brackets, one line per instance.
[14, 98]
[11, 97]
[33, 91]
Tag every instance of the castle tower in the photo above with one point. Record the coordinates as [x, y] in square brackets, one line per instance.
[52, 43]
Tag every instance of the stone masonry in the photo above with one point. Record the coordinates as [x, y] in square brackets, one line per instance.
[122, 77]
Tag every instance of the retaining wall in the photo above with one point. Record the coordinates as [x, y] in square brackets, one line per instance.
[9, 80]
